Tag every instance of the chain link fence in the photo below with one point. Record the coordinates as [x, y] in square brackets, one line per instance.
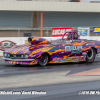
[47, 31]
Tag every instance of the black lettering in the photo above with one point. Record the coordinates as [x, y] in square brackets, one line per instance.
[0, 44]
[12, 44]
[5, 44]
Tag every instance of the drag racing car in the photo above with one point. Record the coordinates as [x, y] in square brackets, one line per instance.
[42, 51]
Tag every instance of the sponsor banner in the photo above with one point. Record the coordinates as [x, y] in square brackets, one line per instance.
[84, 31]
[96, 29]
[59, 32]
[6, 44]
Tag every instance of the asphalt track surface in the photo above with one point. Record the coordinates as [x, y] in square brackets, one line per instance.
[53, 92]
[9, 69]
[58, 92]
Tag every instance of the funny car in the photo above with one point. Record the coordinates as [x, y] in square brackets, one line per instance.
[42, 51]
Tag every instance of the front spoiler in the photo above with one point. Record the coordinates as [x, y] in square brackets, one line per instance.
[18, 59]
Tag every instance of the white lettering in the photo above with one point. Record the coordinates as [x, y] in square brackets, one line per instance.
[60, 31]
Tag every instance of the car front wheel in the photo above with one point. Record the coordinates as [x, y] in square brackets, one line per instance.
[43, 60]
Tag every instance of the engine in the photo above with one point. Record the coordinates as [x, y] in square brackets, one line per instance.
[38, 40]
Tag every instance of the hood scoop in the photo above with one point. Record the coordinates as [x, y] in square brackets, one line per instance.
[38, 40]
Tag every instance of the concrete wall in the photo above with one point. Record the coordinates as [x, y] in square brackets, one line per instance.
[89, 0]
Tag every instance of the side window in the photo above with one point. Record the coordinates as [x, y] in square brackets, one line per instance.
[75, 36]
[69, 36]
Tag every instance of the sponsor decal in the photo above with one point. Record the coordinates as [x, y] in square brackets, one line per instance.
[84, 31]
[96, 29]
[81, 58]
[67, 48]
[59, 32]
[69, 59]
[65, 58]
[62, 60]
[69, 41]
[54, 59]
[73, 49]
[6, 44]
[98, 50]
[75, 59]
[84, 53]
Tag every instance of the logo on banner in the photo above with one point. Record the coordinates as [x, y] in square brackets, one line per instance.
[96, 29]
[6, 44]
[59, 32]
[84, 31]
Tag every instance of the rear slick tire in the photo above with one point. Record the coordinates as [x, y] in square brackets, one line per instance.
[91, 55]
